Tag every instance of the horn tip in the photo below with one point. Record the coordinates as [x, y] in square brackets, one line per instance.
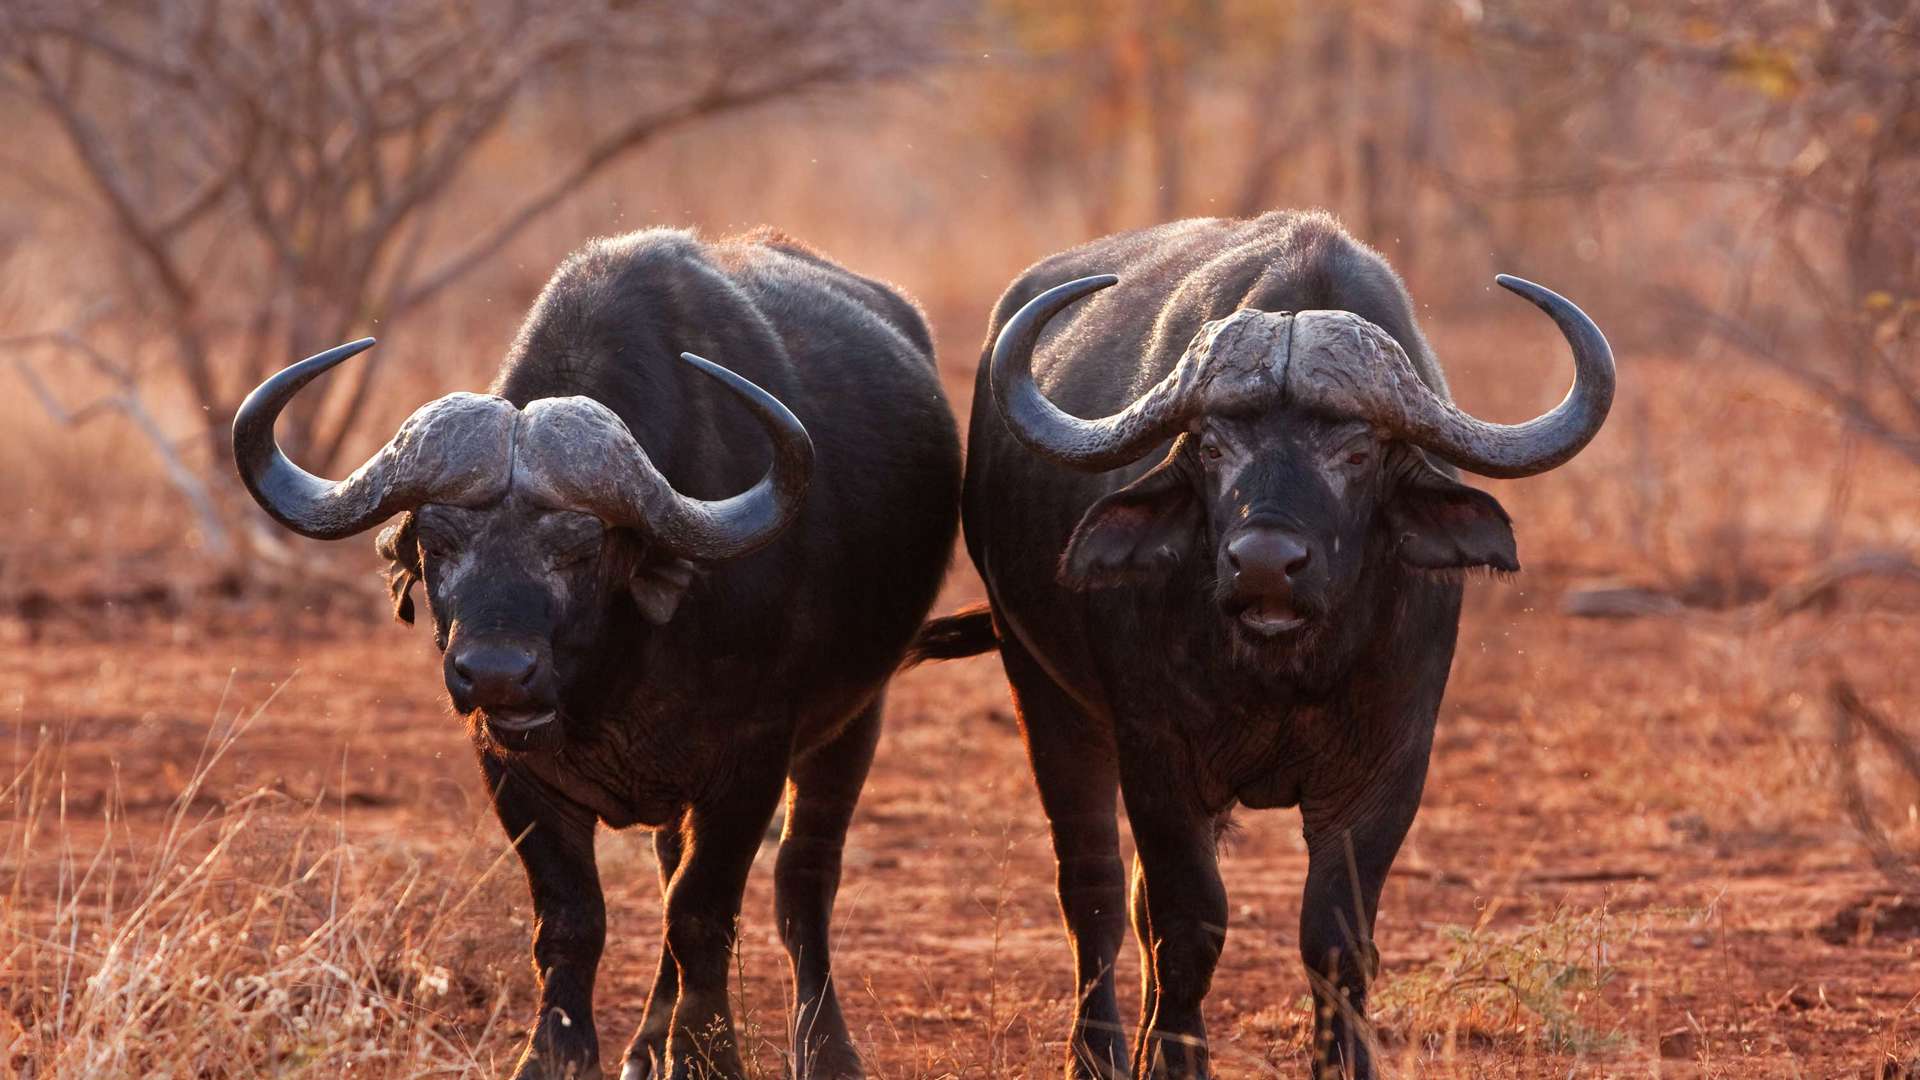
[1533, 292]
[708, 368]
[1092, 283]
[337, 355]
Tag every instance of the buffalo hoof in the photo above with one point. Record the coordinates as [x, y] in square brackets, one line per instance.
[560, 1050]
[644, 1062]
[830, 1061]
[542, 1067]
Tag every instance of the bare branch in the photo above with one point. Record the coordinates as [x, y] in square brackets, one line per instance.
[49, 401]
[1851, 715]
[293, 155]
[1853, 408]
[127, 400]
[602, 154]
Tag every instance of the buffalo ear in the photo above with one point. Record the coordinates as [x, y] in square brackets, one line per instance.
[398, 544]
[658, 586]
[1439, 524]
[1137, 534]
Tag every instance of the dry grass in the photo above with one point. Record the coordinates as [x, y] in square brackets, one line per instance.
[259, 934]
[246, 937]
[1632, 868]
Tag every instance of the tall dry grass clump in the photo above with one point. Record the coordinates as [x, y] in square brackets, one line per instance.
[241, 937]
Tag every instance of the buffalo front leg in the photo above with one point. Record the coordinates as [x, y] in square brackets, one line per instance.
[554, 840]
[647, 1053]
[821, 794]
[1180, 910]
[1348, 856]
[722, 835]
[1074, 767]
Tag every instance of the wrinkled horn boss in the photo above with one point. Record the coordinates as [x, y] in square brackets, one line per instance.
[1333, 359]
[465, 449]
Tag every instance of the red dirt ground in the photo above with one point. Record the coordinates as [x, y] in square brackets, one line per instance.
[1652, 778]
[1632, 859]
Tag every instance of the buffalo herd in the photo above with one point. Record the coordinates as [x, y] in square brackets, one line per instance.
[676, 551]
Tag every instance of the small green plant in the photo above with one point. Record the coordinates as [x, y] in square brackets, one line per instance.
[1541, 981]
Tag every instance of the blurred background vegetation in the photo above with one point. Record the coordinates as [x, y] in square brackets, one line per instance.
[194, 194]
[1679, 839]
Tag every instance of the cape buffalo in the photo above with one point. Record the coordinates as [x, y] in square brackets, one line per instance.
[640, 627]
[1241, 585]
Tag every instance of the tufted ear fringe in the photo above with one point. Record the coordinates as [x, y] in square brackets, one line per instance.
[397, 544]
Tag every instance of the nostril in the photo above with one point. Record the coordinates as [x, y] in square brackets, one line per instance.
[1299, 563]
[1267, 558]
[495, 672]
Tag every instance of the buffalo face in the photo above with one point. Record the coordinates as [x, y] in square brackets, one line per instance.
[1289, 509]
[1299, 461]
[519, 594]
[526, 525]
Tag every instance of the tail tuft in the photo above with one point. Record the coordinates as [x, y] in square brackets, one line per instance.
[967, 632]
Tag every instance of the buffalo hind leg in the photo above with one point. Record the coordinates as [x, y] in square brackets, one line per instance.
[822, 791]
[647, 1054]
[555, 845]
[723, 834]
[1143, 934]
[1183, 905]
[1074, 767]
[1348, 856]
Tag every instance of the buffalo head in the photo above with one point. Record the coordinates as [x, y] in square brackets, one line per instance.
[1300, 457]
[526, 526]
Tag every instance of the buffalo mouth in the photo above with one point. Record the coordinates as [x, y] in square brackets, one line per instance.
[1270, 618]
[522, 729]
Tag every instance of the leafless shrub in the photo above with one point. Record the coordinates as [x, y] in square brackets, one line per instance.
[265, 177]
[1816, 123]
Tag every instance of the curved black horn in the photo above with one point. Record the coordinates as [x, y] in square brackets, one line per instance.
[1044, 427]
[454, 448]
[576, 452]
[1552, 439]
[294, 497]
[732, 527]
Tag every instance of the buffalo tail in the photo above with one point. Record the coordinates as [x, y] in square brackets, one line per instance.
[967, 632]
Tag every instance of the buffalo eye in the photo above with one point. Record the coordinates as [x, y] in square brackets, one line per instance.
[437, 530]
[583, 552]
[1211, 450]
[1354, 451]
[571, 538]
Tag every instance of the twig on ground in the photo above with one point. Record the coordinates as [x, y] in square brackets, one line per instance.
[1818, 584]
[1850, 715]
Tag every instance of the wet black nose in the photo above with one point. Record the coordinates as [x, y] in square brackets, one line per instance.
[494, 675]
[1266, 562]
